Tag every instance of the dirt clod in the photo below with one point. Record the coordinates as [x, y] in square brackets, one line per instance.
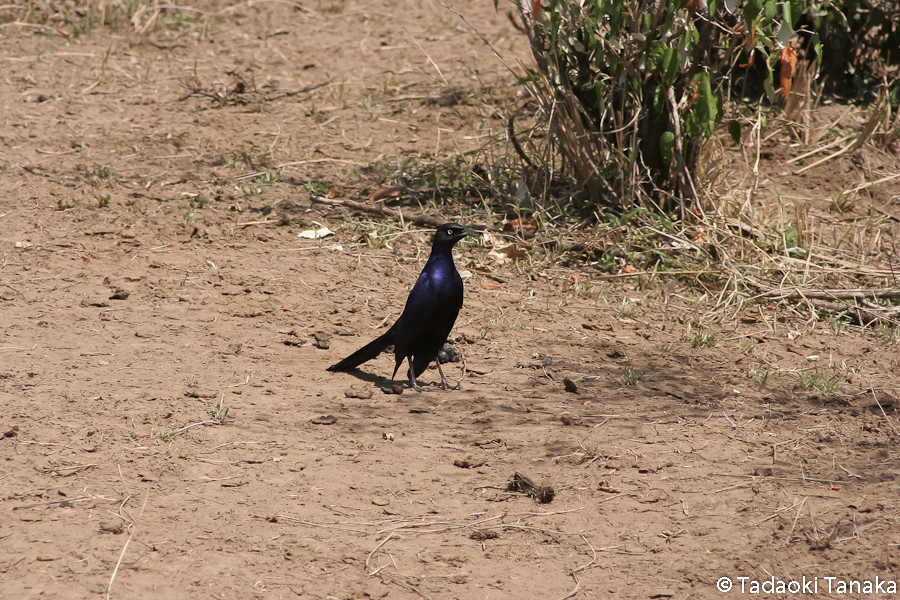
[323, 340]
[324, 420]
[114, 527]
[360, 391]
[521, 483]
[469, 462]
[483, 534]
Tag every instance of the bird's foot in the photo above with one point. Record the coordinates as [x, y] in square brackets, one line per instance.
[444, 383]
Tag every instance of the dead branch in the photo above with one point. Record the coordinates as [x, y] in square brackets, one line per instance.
[380, 209]
[868, 294]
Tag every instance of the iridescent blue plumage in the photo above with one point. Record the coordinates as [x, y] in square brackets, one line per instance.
[429, 314]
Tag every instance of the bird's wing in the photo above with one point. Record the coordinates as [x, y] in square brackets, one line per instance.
[416, 316]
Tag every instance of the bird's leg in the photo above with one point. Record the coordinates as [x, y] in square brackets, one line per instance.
[444, 383]
[412, 376]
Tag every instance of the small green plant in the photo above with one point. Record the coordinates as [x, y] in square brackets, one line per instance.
[887, 333]
[820, 382]
[835, 324]
[759, 374]
[628, 309]
[317, 188]
[704, 339]
[250, 158]
[108, 176]
[167, 436]
[631, 376]
[372, 108]
[219, 412]
[131, 436]
[63, 205]
[104, 201]
[267, 177]
[378, 238]
[190, 211]
[747, 347]
[844, 202]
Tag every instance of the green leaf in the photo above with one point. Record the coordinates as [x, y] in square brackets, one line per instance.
[670, 64]
[659, 100]
[734, 129]
[600, 93]
[785, 33]
[555, 22]
[771, 11]
[495, 4]
[709, 108]
[818, 46]
[751, 10]
[788, 17]
[656, 56]
[666, 143]
[770, 88]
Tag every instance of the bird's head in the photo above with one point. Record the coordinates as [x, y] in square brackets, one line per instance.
[450, 233]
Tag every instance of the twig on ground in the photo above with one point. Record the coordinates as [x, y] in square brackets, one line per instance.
[128, 541]
[779, 512]
[894, 429]
[798, 294]
[581, 568]
[375, 549]
[403, 584]
[794, 524]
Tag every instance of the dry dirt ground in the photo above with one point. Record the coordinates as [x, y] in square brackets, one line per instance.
[146, 279]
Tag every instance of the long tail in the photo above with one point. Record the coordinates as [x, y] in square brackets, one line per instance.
[366, 353]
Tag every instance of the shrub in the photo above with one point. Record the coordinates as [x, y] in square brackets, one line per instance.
[632, 88]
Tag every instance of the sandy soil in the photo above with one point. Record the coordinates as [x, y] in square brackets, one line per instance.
[150, 270]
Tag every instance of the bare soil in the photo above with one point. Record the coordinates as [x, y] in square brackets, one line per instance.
[151, 270]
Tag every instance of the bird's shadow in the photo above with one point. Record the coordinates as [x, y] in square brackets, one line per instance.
[384, 382]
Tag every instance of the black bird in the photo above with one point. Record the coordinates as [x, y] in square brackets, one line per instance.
[426, 321]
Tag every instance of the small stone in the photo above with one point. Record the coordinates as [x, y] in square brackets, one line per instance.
[115, 527]
[323, 340]
[358, 391]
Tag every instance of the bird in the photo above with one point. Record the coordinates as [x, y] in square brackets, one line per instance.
[430, 312]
